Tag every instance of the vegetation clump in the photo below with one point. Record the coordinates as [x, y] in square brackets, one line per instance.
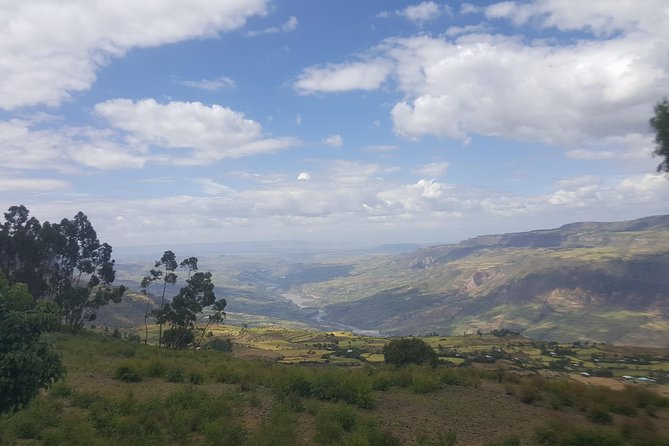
[407, 351]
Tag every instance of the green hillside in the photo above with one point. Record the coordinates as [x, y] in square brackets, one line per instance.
[604, 282]
[599, 281]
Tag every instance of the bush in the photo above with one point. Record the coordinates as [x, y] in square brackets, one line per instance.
[127, 373]
[409, 351]
[60, 390]
[176, 375]
[219, 344]
[195, 378]
[178, 337]
[332, 422]
[562, 434]
[424, 381]
[600, 416]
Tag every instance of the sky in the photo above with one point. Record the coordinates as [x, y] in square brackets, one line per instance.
[170, 122]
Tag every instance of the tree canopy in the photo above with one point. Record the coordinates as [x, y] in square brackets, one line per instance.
[660, 125]
[409, 351]
[26, 363]
[60, 262]
[194, 301]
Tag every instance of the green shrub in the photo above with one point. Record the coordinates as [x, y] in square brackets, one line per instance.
[424, 381]
[127, 372]
[276, 430]
[442, 439]
[83, 400]
[409, 351]
[562, 434]
[219, 344]
[60, 390]
[600, 416]
[39, 415]
[155, 368]
[224, 433]
[175, 375]
[178, 337]
[195, 378]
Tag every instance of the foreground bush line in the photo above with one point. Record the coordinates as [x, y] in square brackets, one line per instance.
[338, 401]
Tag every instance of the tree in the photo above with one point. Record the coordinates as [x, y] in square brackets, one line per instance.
[26, 363]
[196, 299]
[168, 262]
[62, 262]
[409, 351]
[660, 125]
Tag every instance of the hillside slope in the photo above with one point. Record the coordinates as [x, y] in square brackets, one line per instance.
[599, 281]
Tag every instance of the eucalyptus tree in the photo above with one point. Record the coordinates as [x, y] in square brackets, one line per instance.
[61, 262]
[660, 125]
[195, 300]
[163, 271]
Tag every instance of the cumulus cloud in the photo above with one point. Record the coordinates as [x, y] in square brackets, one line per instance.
[350, 198]
[334, 78]
[564, 92]
[24, 145]
[304, 176]
[212, 132]
[419, 13]
[220, 83]
[52, 49]
[422, 12]
[180, 133]
[333, 140]
[599, 16]
[288, 26]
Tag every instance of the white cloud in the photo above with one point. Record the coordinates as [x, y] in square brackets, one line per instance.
[23, 184]
[211, 187]
[25, 146]
[220, 83]
[348, 199]
[453, 31]
[52, 49]
[468, 8]
[333, 140]
[288, 26]
[212, 132]
[298, 119]
[564, 92]
[422, 12]
[433, 170]
[304, 176]
[602, 17]
[343, 77]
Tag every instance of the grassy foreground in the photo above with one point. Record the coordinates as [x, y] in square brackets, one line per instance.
[119, 392]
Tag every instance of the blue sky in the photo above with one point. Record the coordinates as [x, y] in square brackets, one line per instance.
[369, 121]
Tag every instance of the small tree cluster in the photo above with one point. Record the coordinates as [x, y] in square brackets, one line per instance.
[409, 351]
[194, 302]
[60, 262]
